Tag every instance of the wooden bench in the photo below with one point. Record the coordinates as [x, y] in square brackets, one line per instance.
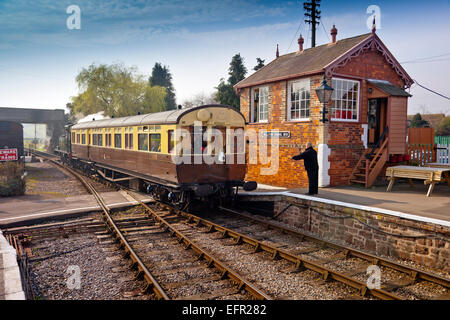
[430, 175]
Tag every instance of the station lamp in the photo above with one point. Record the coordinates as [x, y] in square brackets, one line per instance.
[324, 92]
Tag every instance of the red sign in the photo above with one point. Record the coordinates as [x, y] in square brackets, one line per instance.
[8, 154]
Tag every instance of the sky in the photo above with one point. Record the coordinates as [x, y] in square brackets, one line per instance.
[40, 56]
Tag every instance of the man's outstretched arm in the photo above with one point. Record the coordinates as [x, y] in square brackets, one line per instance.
[299, 157]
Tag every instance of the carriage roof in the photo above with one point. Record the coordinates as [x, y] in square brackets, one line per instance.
[165, 117]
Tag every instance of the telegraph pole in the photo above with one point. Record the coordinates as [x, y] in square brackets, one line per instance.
[312, 14]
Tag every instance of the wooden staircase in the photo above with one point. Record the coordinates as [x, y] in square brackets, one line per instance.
[371, 163]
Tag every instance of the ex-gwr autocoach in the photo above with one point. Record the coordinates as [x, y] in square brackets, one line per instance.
[140, 149]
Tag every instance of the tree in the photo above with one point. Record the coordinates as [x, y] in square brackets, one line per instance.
[259, 65]
[418, 122]
[225, 92]
[161, 77]
[117, 91]
[237, 70]
[200, 99]
[444, 127]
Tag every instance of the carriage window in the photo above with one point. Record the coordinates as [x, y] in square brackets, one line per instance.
[155, 142]
[108, 140]
[128, 141]
[78, 138]
[94, 139]
[118, 140]
[143, 141]
[170, 141]
[100, 140]
[73, 137]
[83, 139]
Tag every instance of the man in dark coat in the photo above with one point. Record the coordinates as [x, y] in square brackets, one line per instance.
[309, 157]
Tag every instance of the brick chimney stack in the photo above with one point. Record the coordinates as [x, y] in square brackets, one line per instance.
[300, 43]
[333, 34]
[278, 52]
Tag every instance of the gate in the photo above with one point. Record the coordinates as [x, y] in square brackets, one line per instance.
[442, 149]
[421, 145]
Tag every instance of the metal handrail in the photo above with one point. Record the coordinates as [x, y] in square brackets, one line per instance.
[370, 154]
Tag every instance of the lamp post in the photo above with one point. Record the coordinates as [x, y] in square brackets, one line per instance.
[324, 92]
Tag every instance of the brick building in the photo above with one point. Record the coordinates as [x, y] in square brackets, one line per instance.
[367, 112]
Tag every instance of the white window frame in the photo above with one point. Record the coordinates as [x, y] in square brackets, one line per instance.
[254, 110]
[357, 101]
[307, 85]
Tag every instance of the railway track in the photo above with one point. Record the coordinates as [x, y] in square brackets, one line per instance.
[215, 279]
[320, 256]
[324, 257]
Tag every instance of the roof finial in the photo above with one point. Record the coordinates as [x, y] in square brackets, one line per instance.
[278, 52]
[374, 26]
[333, 32]
[300, 42]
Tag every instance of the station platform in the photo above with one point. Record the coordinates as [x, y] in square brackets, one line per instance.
[30, 209]
[402, 198]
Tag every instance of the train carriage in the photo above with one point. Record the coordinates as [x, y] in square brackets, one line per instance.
[144, 148]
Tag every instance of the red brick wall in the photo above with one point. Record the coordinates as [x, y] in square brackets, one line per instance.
[346, 149]
[290, 173]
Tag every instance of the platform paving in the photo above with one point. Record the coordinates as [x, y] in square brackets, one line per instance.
[402, 198]
[10, 282]
[34, 208]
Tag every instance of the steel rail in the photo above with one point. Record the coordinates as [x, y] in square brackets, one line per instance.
[152, 283]
[277, 253]
[226, 271]
[413, 273]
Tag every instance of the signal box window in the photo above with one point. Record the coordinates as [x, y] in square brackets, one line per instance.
[143, 141]
[298, 100]
[260, 105]
[118, 140]
[155, 142]
[345, 100]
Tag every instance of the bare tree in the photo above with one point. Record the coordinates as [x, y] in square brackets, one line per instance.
[200, 99]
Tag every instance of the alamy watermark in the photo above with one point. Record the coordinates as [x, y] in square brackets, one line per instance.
[74, 279]
[74, 20]
[227, 146]
[374, 280]
[375, 12]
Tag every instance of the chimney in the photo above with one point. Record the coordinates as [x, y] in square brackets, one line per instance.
[278, 52]
[333, 34]
[300, 43]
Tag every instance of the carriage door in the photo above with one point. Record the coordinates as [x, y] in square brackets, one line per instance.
[376, 120]
[88, 144]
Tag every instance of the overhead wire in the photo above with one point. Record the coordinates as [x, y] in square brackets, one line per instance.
[437, 93]
[295, 35]
[324, 29]
[427, 59]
